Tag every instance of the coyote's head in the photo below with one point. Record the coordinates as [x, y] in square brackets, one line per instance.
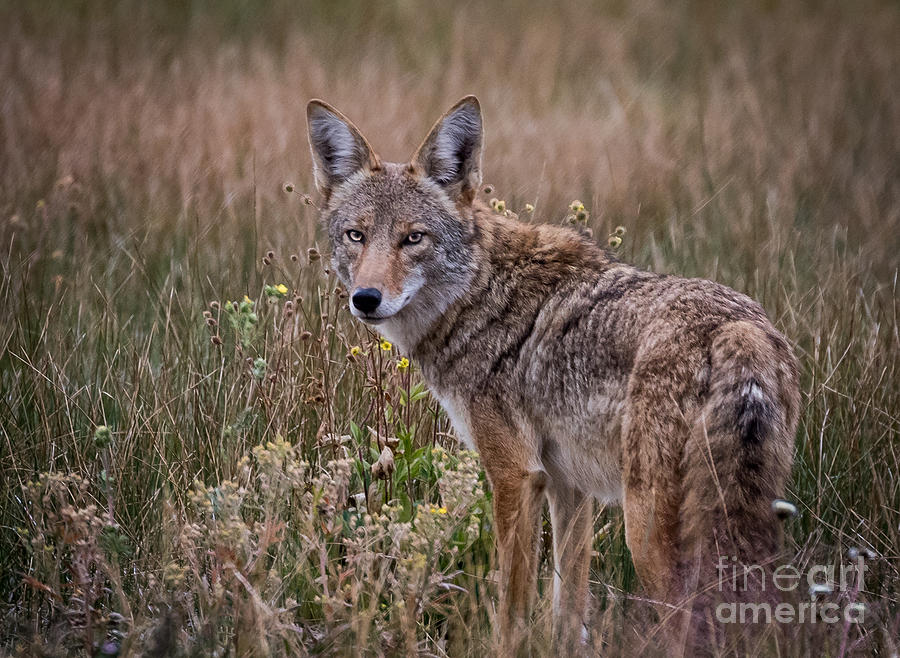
[401, 234]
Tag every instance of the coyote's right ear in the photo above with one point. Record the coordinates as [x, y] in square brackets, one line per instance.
[338, 148]
[451, 154]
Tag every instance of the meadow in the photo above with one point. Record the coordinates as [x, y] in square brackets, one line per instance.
[202, 452]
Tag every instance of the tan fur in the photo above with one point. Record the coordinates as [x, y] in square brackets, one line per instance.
[577, 377]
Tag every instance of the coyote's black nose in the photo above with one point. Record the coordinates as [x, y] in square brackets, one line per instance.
[367, 300]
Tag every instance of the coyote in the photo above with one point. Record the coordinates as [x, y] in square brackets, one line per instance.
[575, 376]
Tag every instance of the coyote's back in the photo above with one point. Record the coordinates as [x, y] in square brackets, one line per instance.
[575, 376]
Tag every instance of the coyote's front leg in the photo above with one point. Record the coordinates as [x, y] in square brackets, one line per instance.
[518, 498]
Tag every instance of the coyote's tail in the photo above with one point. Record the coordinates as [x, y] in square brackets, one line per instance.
[739, 455]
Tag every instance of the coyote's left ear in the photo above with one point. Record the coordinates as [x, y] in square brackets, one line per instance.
[451, 154]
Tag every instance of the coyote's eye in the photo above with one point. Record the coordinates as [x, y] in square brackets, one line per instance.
[413, 238]
[355, 236]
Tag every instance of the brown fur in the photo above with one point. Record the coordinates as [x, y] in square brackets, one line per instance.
[574, 375]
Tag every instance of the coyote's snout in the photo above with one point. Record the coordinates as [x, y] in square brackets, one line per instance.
[576, 377]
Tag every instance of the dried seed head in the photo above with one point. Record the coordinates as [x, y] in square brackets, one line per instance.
[488, 189]
[214, 306]
[288, 187]
[294, 258]
[270, 255]
[306, 335]
[215, 340]
[313, 254]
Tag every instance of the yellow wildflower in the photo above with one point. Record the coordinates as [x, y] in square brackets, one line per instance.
[247, 299]
[403, 363]
[283, 289]
[385, 345]
[356, 350]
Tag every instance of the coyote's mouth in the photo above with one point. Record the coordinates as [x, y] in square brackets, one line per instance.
[386, 311]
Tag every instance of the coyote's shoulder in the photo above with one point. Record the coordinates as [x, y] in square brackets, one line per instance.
[575, 376]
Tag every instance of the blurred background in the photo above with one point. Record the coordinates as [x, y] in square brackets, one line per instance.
[143, 152]
[784, 110]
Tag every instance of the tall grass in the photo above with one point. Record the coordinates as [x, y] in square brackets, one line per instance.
[143, 151]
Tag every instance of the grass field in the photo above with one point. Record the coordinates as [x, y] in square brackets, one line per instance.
[187, 476]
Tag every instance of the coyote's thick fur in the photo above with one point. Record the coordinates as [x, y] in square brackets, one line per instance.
[575, 376]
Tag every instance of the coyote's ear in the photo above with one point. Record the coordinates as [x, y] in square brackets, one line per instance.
[451, 154]
[338, 148]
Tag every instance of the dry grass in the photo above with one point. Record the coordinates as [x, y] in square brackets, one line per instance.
[142, 155]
